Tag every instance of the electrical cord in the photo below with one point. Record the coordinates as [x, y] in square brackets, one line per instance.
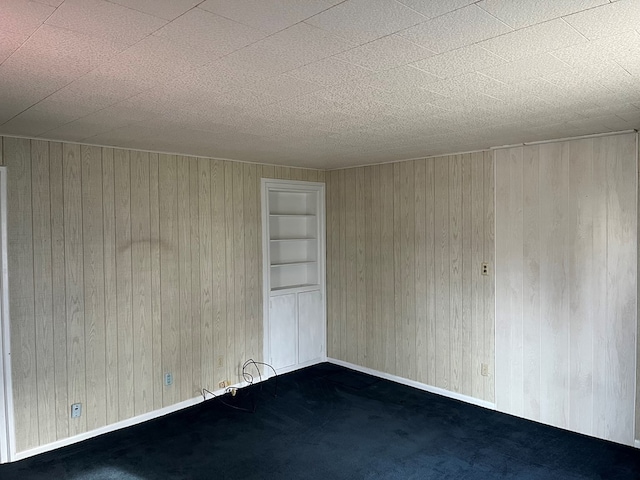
[249, 379]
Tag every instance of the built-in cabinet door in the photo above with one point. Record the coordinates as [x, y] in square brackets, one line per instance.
[283, 330]
[311, 331]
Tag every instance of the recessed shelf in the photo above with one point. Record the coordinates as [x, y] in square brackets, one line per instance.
[299, 215]
[290, 287]
[289, 264]
[300, 239]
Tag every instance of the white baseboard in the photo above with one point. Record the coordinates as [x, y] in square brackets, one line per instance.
[419, 385]
[149, 416]
[109, 428]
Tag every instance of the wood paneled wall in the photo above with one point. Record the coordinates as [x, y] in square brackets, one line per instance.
[566, 286]
[405, 244]
[124, 265]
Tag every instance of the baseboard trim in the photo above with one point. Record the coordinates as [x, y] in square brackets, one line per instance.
[129, 422]
[412, 383]
[150, 415]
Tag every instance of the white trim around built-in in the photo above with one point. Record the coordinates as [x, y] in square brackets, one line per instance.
[636, 444]
[7, 431]
[418, 385]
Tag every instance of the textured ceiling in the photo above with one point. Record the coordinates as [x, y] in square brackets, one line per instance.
[318, 83]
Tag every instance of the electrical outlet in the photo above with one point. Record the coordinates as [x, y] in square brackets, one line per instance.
[168, 379]
[485, 269]
[220, 361]
[484, 370]
[76, 410]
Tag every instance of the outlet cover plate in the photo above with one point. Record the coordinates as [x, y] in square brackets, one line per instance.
[76, 410]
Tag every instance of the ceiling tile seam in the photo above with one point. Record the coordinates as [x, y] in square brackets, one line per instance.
[442, 14]
[274, 33]
[55, 9]
[513, 29]
[498, 36]
[413, 64]
[574, 28]
[124, 49]
[150, 14]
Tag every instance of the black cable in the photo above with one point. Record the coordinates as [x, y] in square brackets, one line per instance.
[249, 379]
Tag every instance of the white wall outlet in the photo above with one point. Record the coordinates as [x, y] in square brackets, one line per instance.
[168, 379]
[76, 410]
[484, 370]
[485, 269]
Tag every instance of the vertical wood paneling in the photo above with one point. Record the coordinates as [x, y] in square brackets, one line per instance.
[531, 283]
[360, 243]
[334, 317]
[388, 280]
[124, 286]
[94, 285]
[118, 274]
[230, 269]
[622, 244]
[567, 243]
[194, 226]
[156, 307]
[599, 304]
[442, 273]
[43, 288]
[21, 289]
[111, 384]
[489, 281]
[580, 287]
[477, 287]
[455, 272]
[59, 319]
[210, 368]
[466, 366]
[420, 243]
[251, 247]
[554, 183]
[342, 263]
[351, 273]
[378, 347]
[503, 309]
[169, 276]
[184, 272]
[400, 365]
[219, 294]
[370, 324]
[417, 230]
[141, 283]
[74, 277]
[407, 252]
[514, 241]
[240, 319]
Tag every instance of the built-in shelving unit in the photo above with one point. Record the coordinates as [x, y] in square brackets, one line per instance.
[293, 246]
[293, 236]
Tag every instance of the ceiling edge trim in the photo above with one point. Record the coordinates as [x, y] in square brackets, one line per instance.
[157, 151]
[565, 139]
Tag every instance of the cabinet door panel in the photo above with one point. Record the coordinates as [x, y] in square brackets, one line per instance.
[311, 331]
[283, 330]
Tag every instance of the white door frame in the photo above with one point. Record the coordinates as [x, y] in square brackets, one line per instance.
[7, 431]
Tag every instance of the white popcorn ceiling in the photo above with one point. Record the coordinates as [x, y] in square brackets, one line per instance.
[318, 83]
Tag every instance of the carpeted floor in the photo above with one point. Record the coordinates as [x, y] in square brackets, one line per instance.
[328, 422]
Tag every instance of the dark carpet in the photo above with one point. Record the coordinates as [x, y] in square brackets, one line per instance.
[328, 422]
